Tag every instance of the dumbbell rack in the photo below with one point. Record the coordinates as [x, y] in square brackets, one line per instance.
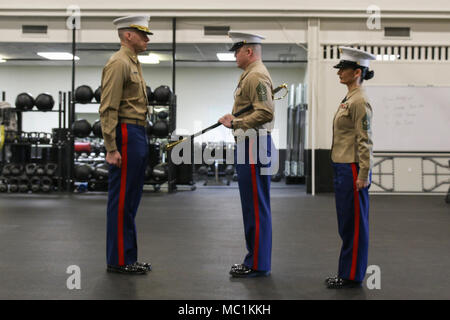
[71, 157]
[171, 175]
[26, 140]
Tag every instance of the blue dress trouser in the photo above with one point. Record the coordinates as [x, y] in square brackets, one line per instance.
[125, 186]
[352, 208]
[254, 189]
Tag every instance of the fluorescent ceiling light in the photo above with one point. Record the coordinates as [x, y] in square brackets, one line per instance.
[226, 57]
[2, 60]
[387, 57]
[150, 59]
[57, 55]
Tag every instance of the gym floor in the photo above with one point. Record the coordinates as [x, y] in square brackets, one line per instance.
[193, 237]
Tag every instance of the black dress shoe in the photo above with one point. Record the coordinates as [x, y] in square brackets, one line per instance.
[144, 265]
[242, 271]
[128, 269]
[339, 283]
[332, 278]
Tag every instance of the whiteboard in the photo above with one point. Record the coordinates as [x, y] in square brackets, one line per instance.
[408, 118]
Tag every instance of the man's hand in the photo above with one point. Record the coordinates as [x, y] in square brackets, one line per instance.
[226, 120]
[114, 158]
[360, 184]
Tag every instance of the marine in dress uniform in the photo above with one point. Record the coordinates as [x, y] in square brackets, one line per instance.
[254, 88]
[123, 113]
[352, 158]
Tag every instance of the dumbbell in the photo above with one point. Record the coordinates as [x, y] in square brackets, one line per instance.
[16, 169]
[44, 138]
[40, 170]
[33, 137]
[30, 169]
[7, 170]
[23, 185]
[50, 169]
[3, 185]
[35, 184]
[46, 184]
[13, 184]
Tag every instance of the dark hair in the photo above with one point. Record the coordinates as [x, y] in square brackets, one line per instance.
[366, 74]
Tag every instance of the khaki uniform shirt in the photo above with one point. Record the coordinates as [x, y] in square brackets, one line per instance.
[124, 94]
[254, 88]
[352, 133]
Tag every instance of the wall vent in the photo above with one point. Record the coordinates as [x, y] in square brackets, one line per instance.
[215, 31]
[397, 32]
[27, 29]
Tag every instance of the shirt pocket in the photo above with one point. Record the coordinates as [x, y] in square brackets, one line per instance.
[238, 93]
[133, 88]
[343, 119]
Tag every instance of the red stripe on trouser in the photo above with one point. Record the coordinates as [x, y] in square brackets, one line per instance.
[255, 206]
[356, 232]
[123, 186]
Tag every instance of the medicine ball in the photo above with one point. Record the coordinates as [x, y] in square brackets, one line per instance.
[101, 171]
[160, 172]
[44, 102]
[83, 171]
[161, 128]
[98, 94]
[163, 94]
[163, 115]
[81, 128]
[150, 96]
[97, 129]
[84, 94]
[24, 101]
[149, 128]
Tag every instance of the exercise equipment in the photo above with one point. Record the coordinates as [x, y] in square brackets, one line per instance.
[30, 169]
[35, 183]
[33, 137]
[81, 128]
[44, 102]
[163, 95]
[3, 185]
[160, 172]
[43, 138]
[97, 129]
[46, 184]
[161, 129]
[84, 94]
[294, 167]
[244, 110]
[150, 96]
[24, 101]
[276, 177]
[163, 115]
[24, 184]
[40, 170]
[149, 128]
[98, 94]
[101, 171]
[50, 169]
[13, 185]
[16, 169]
[83, 172]
[82, 147]
[6, 171]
